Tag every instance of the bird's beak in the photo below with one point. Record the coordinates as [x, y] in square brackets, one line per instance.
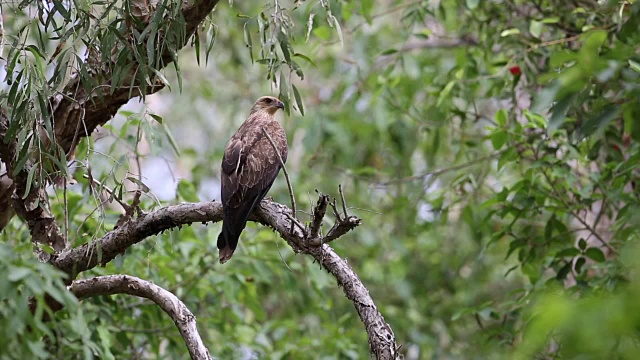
[280, 105]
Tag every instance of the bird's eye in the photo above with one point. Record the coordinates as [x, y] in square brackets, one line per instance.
[269, 101]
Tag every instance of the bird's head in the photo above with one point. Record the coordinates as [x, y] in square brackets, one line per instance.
[269, 104]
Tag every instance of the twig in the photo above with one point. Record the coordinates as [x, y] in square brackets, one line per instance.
[124, 205]
[66, 214]
[167, 301]
[335, 210]
[281, 258]
[344, 203]
[286, 175]
[1, 31]
[296, 223]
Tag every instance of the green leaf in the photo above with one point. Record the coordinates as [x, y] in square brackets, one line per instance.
[296, 95]
[196, 43]
[30, 181]
[506, 157]
[335, 23]
[59, 6]
[559, 112]
[172, 141]
[46, 248]
[389, 52]
[472, 4]
[593, 40]
[569, 252]
[501, 117]
[548, 228]
[579, 264]
[35, 51]
[136, 181]
[305, 58]
[532, 271]
[595, 254]
[599, 121]
[509, 32]
[212, 39]
[156, 117]
[582, 244]
[462, 312]
[499, 138]
[161, 77]
[247, 40]
[564, 271]
[634, 65]
[18, 273]
[535, 29]
[187, 191]
[445, 92]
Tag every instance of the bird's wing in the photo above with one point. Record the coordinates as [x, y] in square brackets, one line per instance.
[250, 164]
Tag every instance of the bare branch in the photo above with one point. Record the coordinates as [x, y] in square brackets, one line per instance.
[344, 203]
[105, 249]
[168, 302]
[318, 214]
[341, 227]
[278, 217]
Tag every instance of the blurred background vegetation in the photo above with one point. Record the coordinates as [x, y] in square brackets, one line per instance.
[490, 147]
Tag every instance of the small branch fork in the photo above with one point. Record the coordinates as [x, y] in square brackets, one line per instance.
[344, 223]
[184, 320]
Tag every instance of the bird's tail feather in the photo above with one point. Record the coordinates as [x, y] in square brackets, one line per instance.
[233, 224]
[227, 243]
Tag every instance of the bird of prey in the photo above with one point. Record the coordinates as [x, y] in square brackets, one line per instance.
[249, 167]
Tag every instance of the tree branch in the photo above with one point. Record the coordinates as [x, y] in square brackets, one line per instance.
[80, 111]
[168, 302]
[277, 216]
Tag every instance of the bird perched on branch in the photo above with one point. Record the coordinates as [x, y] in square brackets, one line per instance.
[249, 167]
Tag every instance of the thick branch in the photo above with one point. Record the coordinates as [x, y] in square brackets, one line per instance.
[105, 249]
[277, 216]
[176, 309]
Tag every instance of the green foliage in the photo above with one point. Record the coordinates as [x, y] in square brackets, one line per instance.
[26, 285]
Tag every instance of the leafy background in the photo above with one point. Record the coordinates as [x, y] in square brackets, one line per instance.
[490, 147]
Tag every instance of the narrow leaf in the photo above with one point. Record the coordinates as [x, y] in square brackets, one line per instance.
[296, 94]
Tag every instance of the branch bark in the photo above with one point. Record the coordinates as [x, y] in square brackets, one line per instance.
[382, 340]
[124, 284]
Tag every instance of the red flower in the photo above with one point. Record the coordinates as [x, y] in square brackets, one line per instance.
[515, 70]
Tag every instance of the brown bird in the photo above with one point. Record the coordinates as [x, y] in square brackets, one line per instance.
[249, 167]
